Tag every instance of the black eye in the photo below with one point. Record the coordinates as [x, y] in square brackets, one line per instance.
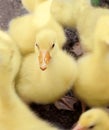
[37, 45]
[53, 45]
[91, 127]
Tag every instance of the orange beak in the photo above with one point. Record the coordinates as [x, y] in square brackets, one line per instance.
[44, 58]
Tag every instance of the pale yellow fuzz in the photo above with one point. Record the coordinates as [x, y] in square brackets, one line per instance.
[35, 85]
[93, 69]
[61, 9]
[43, 14]
[81, 15]
[25, 28]
[30, 5]
[14, 114]
[66, 12]
[94, 119]
[23, 31]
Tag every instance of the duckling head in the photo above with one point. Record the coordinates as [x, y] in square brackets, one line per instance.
[94, 119]
[46, 47]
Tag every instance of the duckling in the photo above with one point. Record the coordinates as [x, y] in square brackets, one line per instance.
[14, 114]
[94, 119]
[92, 83]
[25, 28]
[48, 73]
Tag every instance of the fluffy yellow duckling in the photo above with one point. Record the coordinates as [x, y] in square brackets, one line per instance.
[14, 114]
[47, 74]
[94, 119]
[25, 28]
[92, 83]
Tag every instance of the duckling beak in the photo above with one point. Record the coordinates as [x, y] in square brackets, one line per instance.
[44, 58]
[78, 127]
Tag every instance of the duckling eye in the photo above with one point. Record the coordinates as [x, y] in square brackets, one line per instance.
[91, 127]
[52, 45]
[37, 45]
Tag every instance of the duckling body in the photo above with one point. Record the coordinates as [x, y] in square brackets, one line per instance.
[14, 114]
[92, 83]
[24, 29]
[35, 85]
[94, 119]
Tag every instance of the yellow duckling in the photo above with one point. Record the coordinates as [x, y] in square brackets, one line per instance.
[92, 83]
[47, 74]
[25, 28]
[94, 119]
[14, 114]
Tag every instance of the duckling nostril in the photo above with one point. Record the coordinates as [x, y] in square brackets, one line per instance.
[43, 68]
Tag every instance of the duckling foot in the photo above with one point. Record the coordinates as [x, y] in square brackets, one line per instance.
[66, 103]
